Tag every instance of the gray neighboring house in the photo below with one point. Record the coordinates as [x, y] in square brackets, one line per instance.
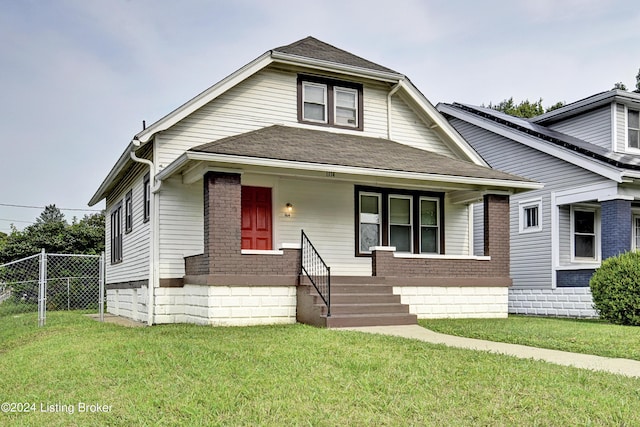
[587, 155]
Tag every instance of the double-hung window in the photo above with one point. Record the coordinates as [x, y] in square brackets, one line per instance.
[530, 216]
[410, 221]
[329, 102]
[146, 202]
[633, 129]
[636, 232]
[116, 234]
[128, 212]
[584, 234]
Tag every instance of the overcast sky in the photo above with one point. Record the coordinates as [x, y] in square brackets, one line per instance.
[79, 76]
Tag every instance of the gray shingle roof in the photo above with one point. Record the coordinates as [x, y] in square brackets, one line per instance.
[314, 146]
[570, 143]
[310, 47]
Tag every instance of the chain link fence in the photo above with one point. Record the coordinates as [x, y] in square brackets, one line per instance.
[52, 282]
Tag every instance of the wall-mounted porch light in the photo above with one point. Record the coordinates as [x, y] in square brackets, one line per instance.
[289, 209]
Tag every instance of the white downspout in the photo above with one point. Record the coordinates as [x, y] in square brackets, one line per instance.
[393, 90]
[155, 229]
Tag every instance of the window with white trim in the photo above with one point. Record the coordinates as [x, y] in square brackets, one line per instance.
[585, 237]
[429, 225]
[370, 221]
[633, 129]
[328, 102]
[116, 234]
[636, 231]
[128, 212]
[146, 199]
[530, 216]
[401, 223]
[412, 221]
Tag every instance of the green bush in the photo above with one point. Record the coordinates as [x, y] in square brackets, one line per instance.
[615, 288]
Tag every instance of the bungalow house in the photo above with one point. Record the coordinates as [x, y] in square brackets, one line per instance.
[309, 160]
[587, 155]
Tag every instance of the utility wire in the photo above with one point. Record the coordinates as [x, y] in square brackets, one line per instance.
[43, 207]
[15, 220]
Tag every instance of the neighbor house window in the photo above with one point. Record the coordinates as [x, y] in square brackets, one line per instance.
[116, 234]
[146, 203]
[530, 216]
[633, 128]
[128, 212]
[636, 232]
[584, 234]
[329, 102]
[409, 220]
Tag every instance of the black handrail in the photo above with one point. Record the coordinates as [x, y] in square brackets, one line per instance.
[316, 270]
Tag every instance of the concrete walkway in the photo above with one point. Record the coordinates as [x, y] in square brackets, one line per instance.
[630, 368]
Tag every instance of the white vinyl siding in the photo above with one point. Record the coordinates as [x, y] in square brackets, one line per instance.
[621, 131]
[181, 225]
[135, 245]
[270, 97]
[531, 260]
[456, 228]
[593, 126]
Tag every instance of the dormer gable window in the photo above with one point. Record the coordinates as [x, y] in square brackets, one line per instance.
[328, 102]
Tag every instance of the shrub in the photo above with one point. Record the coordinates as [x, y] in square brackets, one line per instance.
[615, 288]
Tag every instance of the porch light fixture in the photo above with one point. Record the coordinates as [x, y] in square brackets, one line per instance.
[289, 209]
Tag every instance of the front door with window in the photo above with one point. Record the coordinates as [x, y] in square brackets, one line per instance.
[256, 218]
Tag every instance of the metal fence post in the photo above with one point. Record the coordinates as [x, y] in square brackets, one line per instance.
[101, 286]
[42, 289]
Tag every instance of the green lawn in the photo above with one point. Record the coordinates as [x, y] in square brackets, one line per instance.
[286, 375]
[578, 336]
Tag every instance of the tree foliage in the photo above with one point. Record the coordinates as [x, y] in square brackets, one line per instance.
[619, 86]
[525, 109]
[52, 233]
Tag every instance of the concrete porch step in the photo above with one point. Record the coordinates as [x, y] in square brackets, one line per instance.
[382, 319]
[376, 308]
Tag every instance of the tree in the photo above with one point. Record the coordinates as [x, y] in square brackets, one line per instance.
[637, 82]
[619, 86]
[524, 109]
[52, 233]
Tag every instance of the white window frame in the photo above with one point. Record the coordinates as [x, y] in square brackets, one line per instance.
[523, 207]
[628, 127]
[360, 221]
[116, 234]
[304, 101]
[411, 221]
[635, 234]
[596, 232]
[337, 89]
[437, 227]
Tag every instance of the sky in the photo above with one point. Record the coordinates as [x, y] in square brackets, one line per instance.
[78, 77]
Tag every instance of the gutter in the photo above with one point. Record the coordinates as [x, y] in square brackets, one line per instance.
[154, 248]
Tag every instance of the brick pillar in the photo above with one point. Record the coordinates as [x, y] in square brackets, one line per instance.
[222, 220]
[616, 227]
[496, 231]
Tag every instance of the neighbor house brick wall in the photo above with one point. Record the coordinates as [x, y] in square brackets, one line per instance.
[496, 245]
[616, 227]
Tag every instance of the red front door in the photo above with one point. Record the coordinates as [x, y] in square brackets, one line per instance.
[256, 218]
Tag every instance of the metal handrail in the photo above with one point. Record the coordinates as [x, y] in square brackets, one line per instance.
[319, 274]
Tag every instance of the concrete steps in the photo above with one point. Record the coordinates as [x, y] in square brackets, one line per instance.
[353, 304]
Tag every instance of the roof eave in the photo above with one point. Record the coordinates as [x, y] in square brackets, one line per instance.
[178, 164]
[102, 191]
[287, 58]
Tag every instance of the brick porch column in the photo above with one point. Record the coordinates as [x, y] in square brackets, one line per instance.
[222, 220]
[616, 227]
[496, 232]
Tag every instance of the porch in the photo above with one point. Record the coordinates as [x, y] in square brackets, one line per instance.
[399, 287]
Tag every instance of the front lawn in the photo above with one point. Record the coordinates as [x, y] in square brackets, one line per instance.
[578, 336]
[286, 375]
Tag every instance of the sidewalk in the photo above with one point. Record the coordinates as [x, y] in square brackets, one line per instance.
[629, 368]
